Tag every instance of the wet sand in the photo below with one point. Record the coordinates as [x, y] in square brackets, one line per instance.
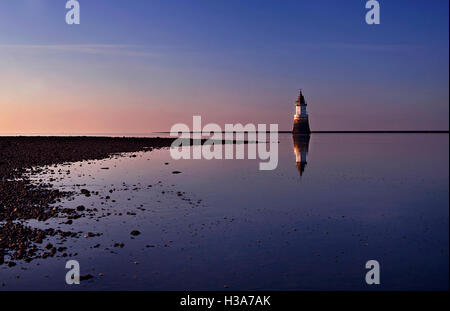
[22, 200]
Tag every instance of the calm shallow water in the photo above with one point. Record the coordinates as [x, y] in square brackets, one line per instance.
[307, 225]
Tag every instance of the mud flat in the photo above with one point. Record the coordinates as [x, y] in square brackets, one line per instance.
[22, 200]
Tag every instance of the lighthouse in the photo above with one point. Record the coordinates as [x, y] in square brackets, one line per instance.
[301, 121]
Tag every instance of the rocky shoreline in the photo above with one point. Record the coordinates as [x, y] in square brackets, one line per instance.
[22, 200]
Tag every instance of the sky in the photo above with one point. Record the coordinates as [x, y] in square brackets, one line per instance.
[144, 65]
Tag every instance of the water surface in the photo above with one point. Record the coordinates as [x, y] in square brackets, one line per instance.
[333, 203]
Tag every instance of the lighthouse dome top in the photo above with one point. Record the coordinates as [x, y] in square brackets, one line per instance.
[301, 99]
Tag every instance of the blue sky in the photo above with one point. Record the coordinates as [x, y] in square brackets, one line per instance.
[144, 65]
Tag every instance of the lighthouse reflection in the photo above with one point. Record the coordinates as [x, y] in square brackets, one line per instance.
[301, 145]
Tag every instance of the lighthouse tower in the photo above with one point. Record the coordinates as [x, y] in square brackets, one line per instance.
[301, 121]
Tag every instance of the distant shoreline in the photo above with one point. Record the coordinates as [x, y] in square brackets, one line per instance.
[349, 132]
[149, 135]
[385, 132]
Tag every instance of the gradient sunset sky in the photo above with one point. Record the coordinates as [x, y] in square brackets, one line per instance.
[142, 65]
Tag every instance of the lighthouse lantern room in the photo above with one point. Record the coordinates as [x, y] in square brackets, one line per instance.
[301, 120]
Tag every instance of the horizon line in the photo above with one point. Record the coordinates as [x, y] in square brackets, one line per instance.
[74, 134]
[338, 131]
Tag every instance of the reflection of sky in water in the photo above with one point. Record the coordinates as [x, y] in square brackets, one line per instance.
[360, 197]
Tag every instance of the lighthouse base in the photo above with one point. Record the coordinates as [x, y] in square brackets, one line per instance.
[301, 126]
